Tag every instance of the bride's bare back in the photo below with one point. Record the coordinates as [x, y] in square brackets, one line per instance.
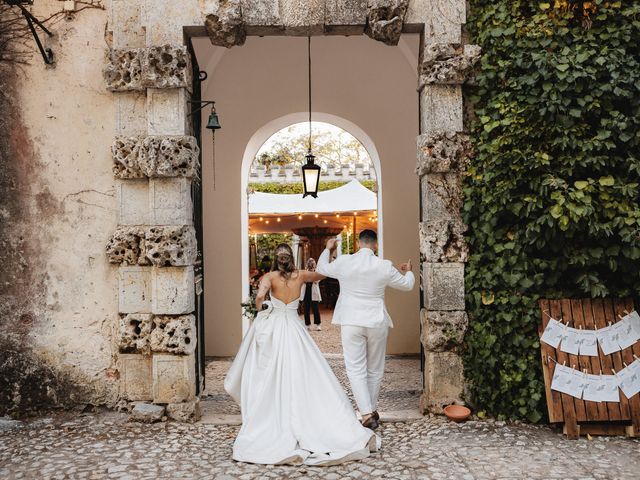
[284, 289]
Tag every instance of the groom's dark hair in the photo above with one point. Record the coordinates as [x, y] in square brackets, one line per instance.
[368, 236]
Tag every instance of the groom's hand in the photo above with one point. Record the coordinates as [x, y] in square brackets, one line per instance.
[405, 267]
[332, 244]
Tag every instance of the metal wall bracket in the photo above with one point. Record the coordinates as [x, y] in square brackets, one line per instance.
[32, 22]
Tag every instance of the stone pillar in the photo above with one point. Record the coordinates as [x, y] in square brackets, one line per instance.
[444, 152]
[155, 160]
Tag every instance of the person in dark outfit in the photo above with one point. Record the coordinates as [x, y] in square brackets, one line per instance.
[310, 299]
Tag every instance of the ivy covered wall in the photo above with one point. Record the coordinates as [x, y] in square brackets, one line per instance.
[552, 197]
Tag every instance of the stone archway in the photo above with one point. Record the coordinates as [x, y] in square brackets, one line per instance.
[155, 156]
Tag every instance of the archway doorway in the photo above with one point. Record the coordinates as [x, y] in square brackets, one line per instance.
[348, 202]
[373, 97]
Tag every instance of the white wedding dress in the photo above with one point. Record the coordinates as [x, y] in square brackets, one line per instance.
[294, 410]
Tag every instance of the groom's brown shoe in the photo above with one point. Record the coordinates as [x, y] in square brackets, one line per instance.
[371, 422]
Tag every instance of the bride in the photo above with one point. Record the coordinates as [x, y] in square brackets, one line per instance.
[294, 411]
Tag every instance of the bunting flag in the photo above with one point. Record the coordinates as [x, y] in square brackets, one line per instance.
[611, 338]
[597, 388]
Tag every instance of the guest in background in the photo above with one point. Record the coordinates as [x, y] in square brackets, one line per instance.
[311, 297]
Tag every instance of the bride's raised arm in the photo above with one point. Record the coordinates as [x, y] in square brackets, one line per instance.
[308, 276]
[263, 289]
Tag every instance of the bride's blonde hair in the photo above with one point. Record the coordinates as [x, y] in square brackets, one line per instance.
[283, 261]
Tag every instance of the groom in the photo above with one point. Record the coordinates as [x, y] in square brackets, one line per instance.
[363, 316]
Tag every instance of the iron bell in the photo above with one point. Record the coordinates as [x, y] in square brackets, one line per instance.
[214, 121]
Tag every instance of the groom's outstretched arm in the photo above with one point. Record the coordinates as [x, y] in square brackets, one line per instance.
[325, 266]
[399, 281]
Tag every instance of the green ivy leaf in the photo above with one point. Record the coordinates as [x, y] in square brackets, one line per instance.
[607, 181]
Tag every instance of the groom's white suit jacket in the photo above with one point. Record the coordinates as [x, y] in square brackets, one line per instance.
[363, 279]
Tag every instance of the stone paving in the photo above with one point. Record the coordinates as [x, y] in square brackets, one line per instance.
[100, 446]
[105, 445]
[400, 388]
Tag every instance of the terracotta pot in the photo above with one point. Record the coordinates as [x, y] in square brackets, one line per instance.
[457, 413]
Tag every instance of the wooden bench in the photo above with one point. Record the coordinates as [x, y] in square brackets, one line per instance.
[582, 417]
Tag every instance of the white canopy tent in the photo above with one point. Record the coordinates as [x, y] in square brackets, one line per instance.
[352, 197]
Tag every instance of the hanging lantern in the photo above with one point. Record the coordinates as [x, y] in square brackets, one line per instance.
[310, 171]
[310, 177]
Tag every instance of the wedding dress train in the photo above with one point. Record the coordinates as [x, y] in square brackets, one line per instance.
[294, 410]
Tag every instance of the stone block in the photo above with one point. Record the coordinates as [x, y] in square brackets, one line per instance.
[125, 153]
[168, 111]
[134, 332]
[173, 291]
[169, 156]
[261, 16]
[448, 63]
[174, 378]
[134, 286]
[171, 246]
[441, 197]
[135, 376]
[133, 202]
[385, 19]
[158, 67]
[441, 108]
[345, 18]
[443, 286]
[170, 201]
[125, 24]
[164, 20]
[442, 331]
[166, 66]
[155, 156]
[126, 246]
[443, 241]
[146, 413]
[443, 381]
[186, 412]
[302, 18]
[131, 113]
[443, 152]
[123, 70]
[175, 335]
[224, 22]
[442, 19]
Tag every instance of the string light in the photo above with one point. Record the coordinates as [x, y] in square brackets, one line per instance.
[261, 218]
[267, 222]
[278, 218]
[325, 221]
[316, 215]
[299, 217]
[337, 215]
[355, 214]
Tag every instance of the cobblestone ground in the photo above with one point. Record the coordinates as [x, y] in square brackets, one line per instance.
[400, 388]
[101, 446]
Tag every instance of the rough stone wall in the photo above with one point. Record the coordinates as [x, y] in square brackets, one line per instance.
[444, 152]
[155, 160]
[56, 205]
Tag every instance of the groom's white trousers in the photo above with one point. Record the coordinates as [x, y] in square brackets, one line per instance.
[364, 351]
